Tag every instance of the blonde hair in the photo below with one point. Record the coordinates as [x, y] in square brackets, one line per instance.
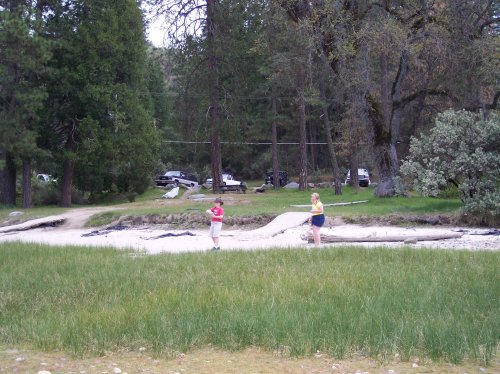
[315, 195]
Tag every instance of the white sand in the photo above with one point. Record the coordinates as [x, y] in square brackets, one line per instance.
[284, 232]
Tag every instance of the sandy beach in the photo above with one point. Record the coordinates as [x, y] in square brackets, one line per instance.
[283, 232]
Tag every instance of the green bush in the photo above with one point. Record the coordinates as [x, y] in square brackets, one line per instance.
[45, 193]
[461, 150]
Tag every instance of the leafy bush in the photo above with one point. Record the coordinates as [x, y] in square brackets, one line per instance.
[50, 194]
[461, 150]
[45, 193]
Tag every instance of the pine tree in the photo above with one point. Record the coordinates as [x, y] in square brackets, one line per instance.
[102, 112]
[24, 53]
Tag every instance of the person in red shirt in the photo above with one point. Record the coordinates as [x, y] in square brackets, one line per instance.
[217, 214]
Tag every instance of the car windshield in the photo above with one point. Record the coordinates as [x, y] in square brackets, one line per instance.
[171, 173]
[360, 172]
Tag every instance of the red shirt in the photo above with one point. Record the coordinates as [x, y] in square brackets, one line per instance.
[217, 212]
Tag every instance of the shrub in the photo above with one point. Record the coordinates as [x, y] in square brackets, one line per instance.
[45, 193]
[461, 150]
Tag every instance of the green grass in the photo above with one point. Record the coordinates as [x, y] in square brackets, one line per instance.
[31, 213]
[270, 202]
[377, 302]
[277, 202]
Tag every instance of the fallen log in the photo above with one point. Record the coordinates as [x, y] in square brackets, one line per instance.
[386, 238]
[51, 221]
[332, 204]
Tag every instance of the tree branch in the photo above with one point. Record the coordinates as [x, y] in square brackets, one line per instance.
[396, 104]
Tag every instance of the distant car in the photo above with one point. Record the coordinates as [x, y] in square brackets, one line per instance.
[45, 178]
[282, 177]
[177, 177]
[227, 180]
[363, 177]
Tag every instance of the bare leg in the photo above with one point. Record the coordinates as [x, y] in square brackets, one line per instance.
[316, 235]
[216, 241]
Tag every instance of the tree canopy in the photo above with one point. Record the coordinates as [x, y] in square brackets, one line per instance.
[243, 86]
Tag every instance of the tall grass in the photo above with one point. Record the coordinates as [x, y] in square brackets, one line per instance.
[377, 302]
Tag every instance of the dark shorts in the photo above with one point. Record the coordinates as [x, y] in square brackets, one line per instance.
[318, 220]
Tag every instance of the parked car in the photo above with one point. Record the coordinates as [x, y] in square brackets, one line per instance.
[45, 178]
[227, 180]
[282, 175]
[363, 177]
[177, 177]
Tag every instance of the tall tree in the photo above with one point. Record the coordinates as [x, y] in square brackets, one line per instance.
[100, 101]
[22, 61]
[205, 16]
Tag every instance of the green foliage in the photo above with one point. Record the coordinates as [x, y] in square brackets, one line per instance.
[45, 193]
[24, 53]
[375, 302]
[462, 149]
[101, 98]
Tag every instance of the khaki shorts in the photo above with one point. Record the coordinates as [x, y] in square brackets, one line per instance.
[215, 228]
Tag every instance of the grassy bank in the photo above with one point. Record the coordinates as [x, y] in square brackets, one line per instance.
[280, 201]
[377, 302]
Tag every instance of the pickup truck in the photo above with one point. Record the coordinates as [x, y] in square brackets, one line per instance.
[177, 177]
[229, 184]
[227, 180]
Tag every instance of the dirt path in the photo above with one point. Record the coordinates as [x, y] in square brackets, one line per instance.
[208, 361]
[77, 218]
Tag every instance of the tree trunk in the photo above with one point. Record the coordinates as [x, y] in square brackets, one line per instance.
[397, 111]
[27, 192]
[331, 149]
[384, 152]
[69, 168]
[68, 172]
[354, 165]
[355, 134]
[385, 156]
[9, 180]
[276, 183]
[325, 238]
[2, 171]
[213, 79]
[384, 90]
[301, 82]
[386, 120]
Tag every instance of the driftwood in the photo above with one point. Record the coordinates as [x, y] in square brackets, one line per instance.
[333, 204]
[410, 238]
[34, 223]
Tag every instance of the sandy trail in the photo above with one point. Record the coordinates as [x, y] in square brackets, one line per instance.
[283, 232]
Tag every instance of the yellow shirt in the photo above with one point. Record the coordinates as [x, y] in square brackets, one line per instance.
[317, 206]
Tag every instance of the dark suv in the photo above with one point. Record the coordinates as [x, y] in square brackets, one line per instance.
[177, 177]
[282, 175]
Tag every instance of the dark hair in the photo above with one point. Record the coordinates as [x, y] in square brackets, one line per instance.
[219, 200]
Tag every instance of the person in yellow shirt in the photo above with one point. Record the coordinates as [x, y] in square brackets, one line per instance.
[317, 218]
